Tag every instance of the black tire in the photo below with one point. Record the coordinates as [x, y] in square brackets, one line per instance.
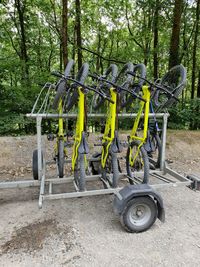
[68, 68]
[61, 88]
[137, 83]
[156, 144]
[79, 172]
[110, 75]
[96, 165]
[139, 214]
[111, 167]
[139, 70]
[61, 158]
[35, 164]
[124, 80]
[72, 94]
[62, 85]
[175, 80]
[141, 162]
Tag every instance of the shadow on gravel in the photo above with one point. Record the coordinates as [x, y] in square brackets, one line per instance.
[31, 238]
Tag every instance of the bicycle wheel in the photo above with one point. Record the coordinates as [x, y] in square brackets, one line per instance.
[124, 80]
[109, 75]
[156, 148]
[79, 172]
[112, 169]
[72, 94]
[139, 214]
[61, 88]
[35, 164]
[137, 83]
[61, 158]
[174, 81]
[140, 71]
[68, 68]
[141, 163]
[96, 165]
[62, 85]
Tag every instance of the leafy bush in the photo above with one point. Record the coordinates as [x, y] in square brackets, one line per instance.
[185, 116]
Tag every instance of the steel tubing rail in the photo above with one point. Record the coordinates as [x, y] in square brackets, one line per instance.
[91, 115]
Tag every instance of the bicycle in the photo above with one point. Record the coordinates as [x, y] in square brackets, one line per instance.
[58, 103]
[59, 148]
[110, 140]
[168, 95]
[175, 79]
[76, 95]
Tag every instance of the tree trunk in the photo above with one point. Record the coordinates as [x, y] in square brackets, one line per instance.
[98, 51]
[155, 41]
[174, 44]
[198, 85]
[64, 32]
[78, 32]
[74, 49]
[23, 47]
[194, 57]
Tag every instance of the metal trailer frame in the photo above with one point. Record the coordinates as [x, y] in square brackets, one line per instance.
[42, 182]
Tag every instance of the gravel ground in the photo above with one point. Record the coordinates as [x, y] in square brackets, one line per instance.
[85, 231]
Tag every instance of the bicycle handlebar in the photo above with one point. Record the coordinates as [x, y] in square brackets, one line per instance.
[101, 78]
[60, 75]
[163, 88]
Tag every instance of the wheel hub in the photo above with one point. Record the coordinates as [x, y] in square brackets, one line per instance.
[139, 214]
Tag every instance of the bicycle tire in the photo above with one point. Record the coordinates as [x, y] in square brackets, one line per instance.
[124, 80]
[175, 80]
[72, 94]
[61, 88]
[68, 68]
[159, 149]
[96, 166]
[112, 70]
[111, 167]
[155, 148]
[62, 84]
[137, 84]
[35, 164]
[141, 160]
[79, 172]
[61, 158]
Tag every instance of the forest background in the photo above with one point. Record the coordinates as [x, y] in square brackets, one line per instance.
[39, 36]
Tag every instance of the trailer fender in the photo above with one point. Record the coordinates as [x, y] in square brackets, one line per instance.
[129, 192]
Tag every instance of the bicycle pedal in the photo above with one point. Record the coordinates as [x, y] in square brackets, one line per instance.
[98, 144]
[69, 144]
[124, 143]
[50, 137]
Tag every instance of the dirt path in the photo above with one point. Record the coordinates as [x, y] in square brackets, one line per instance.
[85, 231]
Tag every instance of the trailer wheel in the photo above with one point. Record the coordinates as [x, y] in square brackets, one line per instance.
[139, 214]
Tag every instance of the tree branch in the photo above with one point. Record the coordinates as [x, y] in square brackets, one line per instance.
[97, 54]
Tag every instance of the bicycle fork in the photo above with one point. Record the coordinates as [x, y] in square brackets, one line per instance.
[144, 105]
[109, 133]
[80, 144]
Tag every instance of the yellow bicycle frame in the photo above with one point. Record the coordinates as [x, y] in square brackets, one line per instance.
[79, 126]
[60, 120]
[110, 127]
[144, 106]
[60, 134]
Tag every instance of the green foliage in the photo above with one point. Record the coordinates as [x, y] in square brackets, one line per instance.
[185, 116]
[121, 30]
